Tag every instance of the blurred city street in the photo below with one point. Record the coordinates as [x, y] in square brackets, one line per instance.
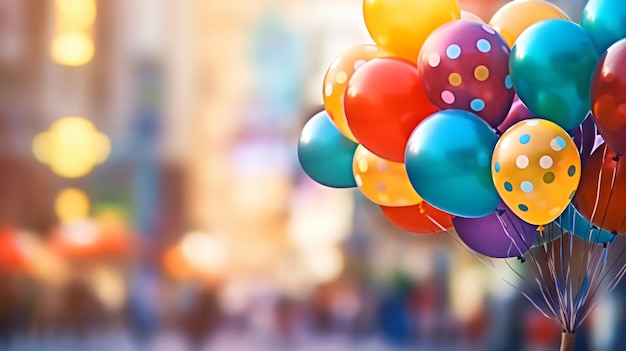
[151, 197]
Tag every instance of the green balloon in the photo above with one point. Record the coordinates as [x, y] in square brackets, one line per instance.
[551, 66]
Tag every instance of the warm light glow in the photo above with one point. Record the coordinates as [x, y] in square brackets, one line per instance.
[321, 219]
[81, 233]
[206, 252]
[75, 14]
[260, 197]
[72, 44]
[466, 291]
[71, 204]
[72, 146]
[109, 287]
[323, 264]
[72, 49]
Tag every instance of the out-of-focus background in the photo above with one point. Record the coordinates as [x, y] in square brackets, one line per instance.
[151, 198]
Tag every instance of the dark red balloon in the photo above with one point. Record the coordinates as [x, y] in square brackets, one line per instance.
[601, 195]
[608, 96]
[415, 219]
[384, 102]
[465, 65]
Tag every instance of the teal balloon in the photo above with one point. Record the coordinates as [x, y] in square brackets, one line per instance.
[325, 154]
[605, 21]
[551, 66]
[573, 222]
[448, 160]
[550, 233]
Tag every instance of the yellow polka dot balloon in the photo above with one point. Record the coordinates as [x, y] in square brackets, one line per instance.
[382, 181]
[536, 170]
[336, 81]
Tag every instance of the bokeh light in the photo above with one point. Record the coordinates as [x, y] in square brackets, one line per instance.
[72, 43]
[71, 204]
[72, 49]
[205, 251]
[71, 147]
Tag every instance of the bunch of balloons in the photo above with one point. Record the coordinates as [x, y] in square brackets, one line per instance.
[495, 129]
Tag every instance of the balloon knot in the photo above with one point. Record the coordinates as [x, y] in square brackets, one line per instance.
[500, 212]
[498, 132]
[522, 259]
[605, 245]
[616, 158]
[540, 228]
[421, 207]
[614, 232]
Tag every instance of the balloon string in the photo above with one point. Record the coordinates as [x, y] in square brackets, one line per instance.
[599, 185]
[588, 244]
[490, 264]
[611, 188]
[590, 304]
[544, 295]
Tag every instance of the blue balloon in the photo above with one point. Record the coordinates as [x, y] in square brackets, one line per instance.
[448, 160]
[551, 66]
[550, 233]
[325, 154]
[605, 21]
[573, 222]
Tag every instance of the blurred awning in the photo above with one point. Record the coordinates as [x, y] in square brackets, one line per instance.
[24, 253]
[106, 236]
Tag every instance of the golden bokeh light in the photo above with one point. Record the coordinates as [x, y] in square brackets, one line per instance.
[71, 204]
[73, 15]
[72, 49]
[109, 287]
[71, 147]
[72, 43]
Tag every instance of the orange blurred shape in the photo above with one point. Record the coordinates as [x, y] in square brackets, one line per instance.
[14, 256]
[90, 239]
[176, 265]
[179, 265]
[23, 253]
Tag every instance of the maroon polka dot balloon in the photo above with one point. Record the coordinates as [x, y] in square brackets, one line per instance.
[465, 65]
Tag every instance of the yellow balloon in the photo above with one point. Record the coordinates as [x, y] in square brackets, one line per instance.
[466, 15]
[402, 26]
[514, 17]
[336, 81]
[382, 181]
[536, 170]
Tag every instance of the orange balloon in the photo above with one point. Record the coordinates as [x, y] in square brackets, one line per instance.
[466, 15]
[420, 219]
[514, 17]
[382, 181]
[336, 81]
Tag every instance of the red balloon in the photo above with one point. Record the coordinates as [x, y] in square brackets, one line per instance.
[465, 65]
[608, 97]
[601, 195]
[384, 102]
[415, 219]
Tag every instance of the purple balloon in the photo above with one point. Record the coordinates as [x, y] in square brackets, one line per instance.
[500, 235]
[518, 112]
[585, 137]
